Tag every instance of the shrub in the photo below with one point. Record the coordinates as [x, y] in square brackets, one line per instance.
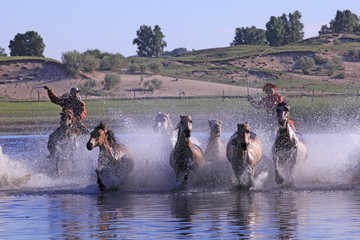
[111, 80]
[155, 84]
[90, 63]
[319, 60]
[142, 67]
[134, 67]
[155, 67]
[88, 87]
[73, 62]
[306, 64]
[112, 62]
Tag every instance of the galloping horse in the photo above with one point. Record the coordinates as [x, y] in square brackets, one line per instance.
[289, 146]
[164, 125]
[65, 138]
[244, 151]
[185, 156]
[115, 160]
[215, 148]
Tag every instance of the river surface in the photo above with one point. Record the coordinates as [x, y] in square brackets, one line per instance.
[35, 203]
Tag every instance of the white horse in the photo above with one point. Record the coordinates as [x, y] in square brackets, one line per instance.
[164, 125]
[289, 147]
[215, 148]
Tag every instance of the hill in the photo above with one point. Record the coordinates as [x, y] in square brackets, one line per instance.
[210, 72]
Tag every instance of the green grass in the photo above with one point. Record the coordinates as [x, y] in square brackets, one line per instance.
[23, 58]
[308, 115]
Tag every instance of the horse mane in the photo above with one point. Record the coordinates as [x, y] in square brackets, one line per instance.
[110, 135]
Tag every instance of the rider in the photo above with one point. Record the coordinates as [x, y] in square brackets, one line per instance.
[73, 103]
[270, 102]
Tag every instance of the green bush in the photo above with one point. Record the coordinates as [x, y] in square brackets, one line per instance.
[155, 84]
[306, 64]
[88, 87]
[111, 80]
[319, 60]
[73, 62]
[90, 63]
[134, 67]
[155, 67]
[113, 62]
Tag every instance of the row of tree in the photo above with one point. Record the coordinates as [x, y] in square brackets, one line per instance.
[288, 29]
[150, 42]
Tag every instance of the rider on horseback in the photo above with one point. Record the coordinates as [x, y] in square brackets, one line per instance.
[78, 109]
[270, 102]
[73, 103]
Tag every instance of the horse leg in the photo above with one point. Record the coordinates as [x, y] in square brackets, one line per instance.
[278, 178]
[102, 187]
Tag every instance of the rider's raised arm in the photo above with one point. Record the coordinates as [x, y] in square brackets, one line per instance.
[55, 99]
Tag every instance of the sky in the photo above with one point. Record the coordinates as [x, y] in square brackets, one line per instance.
[111, 25]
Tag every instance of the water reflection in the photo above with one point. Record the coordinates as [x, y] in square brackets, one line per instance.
[183, 207]
[113, 210]
[243, 214]
[286, 215]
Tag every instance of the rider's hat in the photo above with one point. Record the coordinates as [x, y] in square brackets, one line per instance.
[74, 90]
[269, 86]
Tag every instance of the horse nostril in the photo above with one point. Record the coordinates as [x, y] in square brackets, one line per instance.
[89, 146]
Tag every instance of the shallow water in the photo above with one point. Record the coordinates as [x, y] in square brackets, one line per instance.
[36, 204]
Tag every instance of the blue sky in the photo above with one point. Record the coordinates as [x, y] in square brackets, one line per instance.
[111, 25]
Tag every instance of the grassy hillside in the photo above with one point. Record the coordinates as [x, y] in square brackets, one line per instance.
[239, 65]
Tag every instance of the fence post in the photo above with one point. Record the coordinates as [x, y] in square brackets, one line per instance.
[313, 95]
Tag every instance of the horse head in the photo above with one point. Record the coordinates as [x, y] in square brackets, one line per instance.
[283, 113]
[215, 127]
[67, 118]
[162, 122]
[185, 126]
[243, 133]
[101, 136]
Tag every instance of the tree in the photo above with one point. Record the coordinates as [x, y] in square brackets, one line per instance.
[150, 42]
[296, 32]
[249, 36]
[2, 52]
[284, 30]
[275, 31]
[324, 30]
[28, 44]
[344, 22]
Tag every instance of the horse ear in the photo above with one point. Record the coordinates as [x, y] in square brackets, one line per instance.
[210, 121]
[247, 126]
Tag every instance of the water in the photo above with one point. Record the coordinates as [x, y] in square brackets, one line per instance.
[35, 204]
